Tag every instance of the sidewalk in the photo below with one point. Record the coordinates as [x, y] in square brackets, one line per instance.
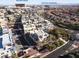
[62, 40]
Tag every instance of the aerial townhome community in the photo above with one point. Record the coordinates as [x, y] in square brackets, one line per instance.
[39, 31]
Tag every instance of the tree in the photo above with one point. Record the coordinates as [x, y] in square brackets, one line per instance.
[51, 47]
[14, 55]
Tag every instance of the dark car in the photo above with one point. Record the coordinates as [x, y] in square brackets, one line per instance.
[1, 32]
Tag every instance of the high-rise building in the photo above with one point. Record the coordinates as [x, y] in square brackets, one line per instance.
[20, 5]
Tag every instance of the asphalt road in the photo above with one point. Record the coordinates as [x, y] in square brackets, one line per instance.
[60, 51]
[63, 49]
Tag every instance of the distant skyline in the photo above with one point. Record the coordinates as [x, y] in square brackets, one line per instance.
[12, 2]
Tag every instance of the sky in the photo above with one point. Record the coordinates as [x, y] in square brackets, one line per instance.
[12, 2]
